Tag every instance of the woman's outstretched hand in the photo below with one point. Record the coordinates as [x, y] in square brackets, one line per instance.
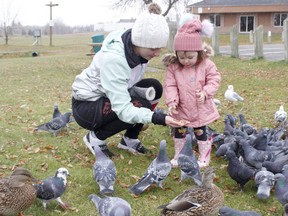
[175, 122]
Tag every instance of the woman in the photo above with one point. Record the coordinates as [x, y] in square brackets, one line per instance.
[102, 102]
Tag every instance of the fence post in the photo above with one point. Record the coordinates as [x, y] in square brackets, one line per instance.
[251, 37]
[285, 36]
[258, 46]
[269, 36]
[234, 42]
[173, 30]
[215, 41]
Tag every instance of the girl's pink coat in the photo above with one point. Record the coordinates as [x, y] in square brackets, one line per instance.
[180, 89]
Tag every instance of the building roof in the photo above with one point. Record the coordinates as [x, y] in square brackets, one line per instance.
[238, 2]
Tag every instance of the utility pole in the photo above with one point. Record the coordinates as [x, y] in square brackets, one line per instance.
[51, 22]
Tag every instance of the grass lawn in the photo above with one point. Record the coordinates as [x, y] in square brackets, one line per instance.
[31, 85]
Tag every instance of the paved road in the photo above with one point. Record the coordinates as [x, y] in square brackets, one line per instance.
[272, 52]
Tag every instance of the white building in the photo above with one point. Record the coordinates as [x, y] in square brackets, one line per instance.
[111, 26]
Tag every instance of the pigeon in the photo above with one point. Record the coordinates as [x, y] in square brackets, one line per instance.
[196, 200]
[227, 126]
[187, 162]
[280, 116]
[253, 156]
[156, 173]
[264, 181]
[104, 171]
[260, 142]
[56, 124]
[275, 166]
[231, 95]
[217, 102]
[228, 211]
[244, 125]
[285, 213]
[218, 140]
[53, 187]
[225, 147]
[281, 188]
[56, 111]
[238, 171]
[111, 206]
[232, 120]
[17, 192]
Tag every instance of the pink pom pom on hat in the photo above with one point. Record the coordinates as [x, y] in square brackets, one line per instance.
[189, 35]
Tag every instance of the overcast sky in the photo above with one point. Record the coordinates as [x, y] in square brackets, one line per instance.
[71, 12]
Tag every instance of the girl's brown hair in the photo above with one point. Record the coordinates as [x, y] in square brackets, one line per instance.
[173, 58]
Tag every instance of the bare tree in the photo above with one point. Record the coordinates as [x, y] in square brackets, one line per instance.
[7, 19]
[125, 4]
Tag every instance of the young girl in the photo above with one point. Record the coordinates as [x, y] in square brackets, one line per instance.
[192, 80]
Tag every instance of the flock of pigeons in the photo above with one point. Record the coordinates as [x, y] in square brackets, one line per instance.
[259, 156]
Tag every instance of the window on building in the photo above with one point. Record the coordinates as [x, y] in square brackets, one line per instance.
[215, 19]
[279, 18]
[246, 23]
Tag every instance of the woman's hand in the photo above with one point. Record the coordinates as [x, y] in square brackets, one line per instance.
[175, 122]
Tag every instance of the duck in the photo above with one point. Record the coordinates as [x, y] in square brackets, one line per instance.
[204, 200]
[17, 192]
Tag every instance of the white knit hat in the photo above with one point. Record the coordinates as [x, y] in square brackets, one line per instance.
[150, 30]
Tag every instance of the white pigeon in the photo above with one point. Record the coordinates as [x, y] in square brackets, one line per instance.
[280, 115]
[104, 172]
[111, 206]
[156, 173]
[231, 95]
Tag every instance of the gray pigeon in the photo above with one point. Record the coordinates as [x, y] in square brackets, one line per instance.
[227, 126]
[156, 173]
[228, 211]
[56, 111]
[285, 210]
[111, 206]
[253, 156]
[52, 188]
[281, 188]
[104, 172]
[238, 171]
[232, 119]
[260, 141]
[56, 124]
[231, 95]
[187, 162]
[225, 147]
[276, 166]
[264, 181]
[244, 125]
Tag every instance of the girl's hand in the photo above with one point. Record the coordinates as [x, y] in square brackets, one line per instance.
[200, 96]
[172, 110]
[175, 122]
